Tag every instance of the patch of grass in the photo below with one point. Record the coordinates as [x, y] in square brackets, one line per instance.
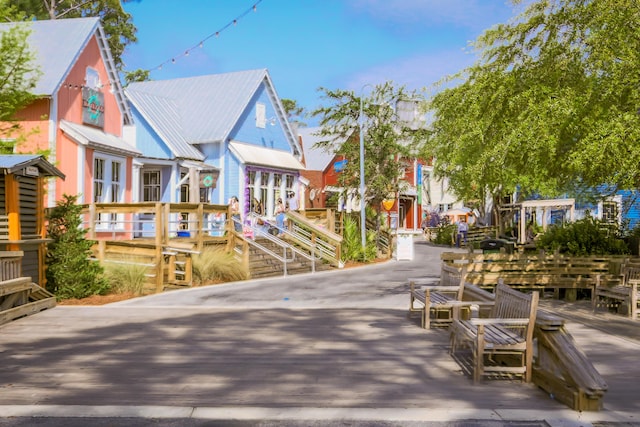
[126, 278]
[217, 265]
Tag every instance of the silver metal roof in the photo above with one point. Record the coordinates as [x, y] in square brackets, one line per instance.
[12, 163]
[96, 138]
[316, 159]
[200, 110]
[162, 114]
[57, 44]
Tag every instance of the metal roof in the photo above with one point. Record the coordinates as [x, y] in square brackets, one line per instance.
[57, 44]
[316, 158]
[206, 107]
[12, 163]
[202, 109]
[98, 139]
[162, 114]
[254, 155]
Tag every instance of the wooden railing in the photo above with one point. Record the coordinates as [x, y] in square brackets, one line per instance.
[159, 236]
[316, 240]
[197, 223]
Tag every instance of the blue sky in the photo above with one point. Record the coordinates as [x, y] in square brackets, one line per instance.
[305, 44]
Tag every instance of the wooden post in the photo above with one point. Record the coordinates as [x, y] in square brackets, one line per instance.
[159, 240]
[12, 206]
[200, 227]
[166, 219]
[188, 269]
[92, 221]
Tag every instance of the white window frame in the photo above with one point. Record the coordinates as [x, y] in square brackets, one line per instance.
[615, 200]
[110, 190]
[157, 187]
[261, 115]
[92, 78]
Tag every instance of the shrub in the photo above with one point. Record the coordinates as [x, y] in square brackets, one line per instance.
[70, 272]
[352, 242]
[445, 234]
[126, 278]
[587, 236]
[217, 265]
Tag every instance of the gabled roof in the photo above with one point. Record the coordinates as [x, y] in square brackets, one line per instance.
[95, 138]
[316, 159]
[162, 114]
[203, 109]
[12, 163]
[58, 43]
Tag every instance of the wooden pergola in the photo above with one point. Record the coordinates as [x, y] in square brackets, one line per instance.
[545, 205]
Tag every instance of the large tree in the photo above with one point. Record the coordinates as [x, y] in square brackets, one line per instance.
[18, 74]
[551, 107]
[118, 24]
[387, 138]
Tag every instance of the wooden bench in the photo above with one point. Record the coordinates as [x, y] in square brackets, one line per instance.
[538, 272]
[625, 293]
[507, 332]
[437, 301]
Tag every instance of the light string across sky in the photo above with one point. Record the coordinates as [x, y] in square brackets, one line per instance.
[216, 34]
[173, 59]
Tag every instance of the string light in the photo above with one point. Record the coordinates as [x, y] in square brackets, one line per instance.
[216, 34]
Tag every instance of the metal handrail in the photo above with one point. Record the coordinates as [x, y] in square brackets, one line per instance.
[280, 242]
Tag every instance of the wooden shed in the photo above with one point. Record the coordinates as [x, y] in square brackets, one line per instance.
[22, 220]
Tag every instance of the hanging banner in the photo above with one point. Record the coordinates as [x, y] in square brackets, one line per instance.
[419, 184]
[209, 179]
[92, 107]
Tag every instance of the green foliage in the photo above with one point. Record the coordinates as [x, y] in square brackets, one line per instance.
[445, 234]
[70, 273]
[588, 236]
[352, 242]
[136, 76]
[295, 113]
[125, 278]
[550, 107]
[217, 265]
[387, 138]
[18, 74]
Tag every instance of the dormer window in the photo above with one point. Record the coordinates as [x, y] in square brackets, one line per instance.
[92, 78]
[261, 115]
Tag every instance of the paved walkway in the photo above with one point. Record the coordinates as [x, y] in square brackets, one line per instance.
[334, 348]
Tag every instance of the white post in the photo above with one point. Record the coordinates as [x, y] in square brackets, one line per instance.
[363, 226]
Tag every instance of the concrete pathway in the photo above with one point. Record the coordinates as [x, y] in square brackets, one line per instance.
[333, 348]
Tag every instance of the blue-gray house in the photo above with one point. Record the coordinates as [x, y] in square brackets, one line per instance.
[212, 137]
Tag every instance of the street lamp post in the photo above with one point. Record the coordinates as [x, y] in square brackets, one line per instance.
[363, 225]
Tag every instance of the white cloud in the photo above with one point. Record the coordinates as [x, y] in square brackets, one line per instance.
[471, 14]
[415, 72]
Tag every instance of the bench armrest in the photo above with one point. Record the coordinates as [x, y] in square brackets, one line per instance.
[439, 288]
[424, 281]
[511, 322]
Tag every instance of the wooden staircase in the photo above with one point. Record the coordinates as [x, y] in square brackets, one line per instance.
[20, 297]
[262, 264]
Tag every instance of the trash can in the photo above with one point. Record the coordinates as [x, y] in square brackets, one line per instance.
[496, 245]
